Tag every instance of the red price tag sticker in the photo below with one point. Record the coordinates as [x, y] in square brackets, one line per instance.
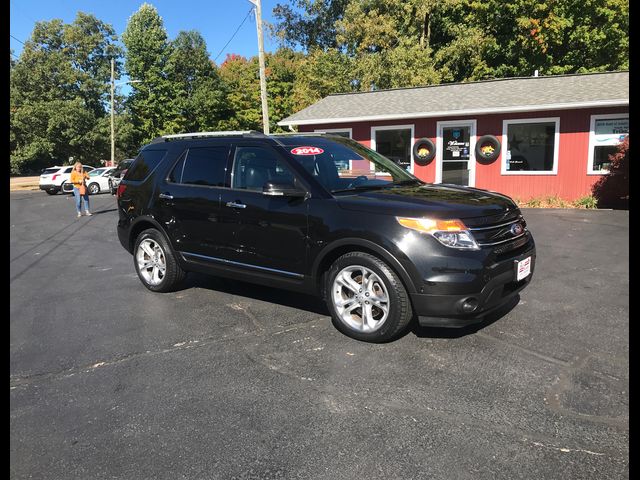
[307, 151]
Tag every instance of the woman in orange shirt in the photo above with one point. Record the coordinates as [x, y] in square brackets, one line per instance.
[80, 190]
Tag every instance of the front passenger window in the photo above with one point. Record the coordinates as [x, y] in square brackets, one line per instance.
[255, 166]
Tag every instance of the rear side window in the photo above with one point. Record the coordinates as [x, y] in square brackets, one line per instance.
[144, 164]
[49, 171]
[202, 166]
[68, 170]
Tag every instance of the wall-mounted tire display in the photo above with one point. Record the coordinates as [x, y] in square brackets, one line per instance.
[487, 148]
[423, 151]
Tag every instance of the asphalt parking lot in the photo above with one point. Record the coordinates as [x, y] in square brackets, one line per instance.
[226, 380]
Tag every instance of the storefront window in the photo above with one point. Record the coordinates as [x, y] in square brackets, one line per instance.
[344, 165]
[607, 131]
[394, 143]
[531, 146]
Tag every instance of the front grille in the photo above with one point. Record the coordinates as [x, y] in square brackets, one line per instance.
[500, 232]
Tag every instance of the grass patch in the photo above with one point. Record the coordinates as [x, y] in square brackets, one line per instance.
[588, 201]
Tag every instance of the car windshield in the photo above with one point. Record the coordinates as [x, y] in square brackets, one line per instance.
[343, 165]
[96, 172]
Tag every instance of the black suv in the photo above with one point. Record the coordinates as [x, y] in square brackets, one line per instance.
[323, 214]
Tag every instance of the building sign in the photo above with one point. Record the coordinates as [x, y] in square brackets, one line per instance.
[456, 143]
[611, 130]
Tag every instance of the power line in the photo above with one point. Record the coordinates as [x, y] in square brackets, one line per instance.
[234, 33]
[16, 39]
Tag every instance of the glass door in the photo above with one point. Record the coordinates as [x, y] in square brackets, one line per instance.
[455, 154]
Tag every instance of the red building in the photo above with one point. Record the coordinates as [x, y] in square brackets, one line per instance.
[554, 133]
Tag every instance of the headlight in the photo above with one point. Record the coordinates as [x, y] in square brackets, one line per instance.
[450, 233]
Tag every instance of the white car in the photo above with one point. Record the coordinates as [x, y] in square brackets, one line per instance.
[53, 179]
[98, 181]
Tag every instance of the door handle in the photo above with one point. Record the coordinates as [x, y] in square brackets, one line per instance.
[235, 205]
[166, 196]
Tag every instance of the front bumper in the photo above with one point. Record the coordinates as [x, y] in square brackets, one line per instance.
[443, 310]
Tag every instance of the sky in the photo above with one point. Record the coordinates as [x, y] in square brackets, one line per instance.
[216, 20]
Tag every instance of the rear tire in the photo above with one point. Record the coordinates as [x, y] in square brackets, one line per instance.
[366, 298]
[155, 262]
[51, 191]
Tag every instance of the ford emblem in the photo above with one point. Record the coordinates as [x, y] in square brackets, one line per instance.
[516, 229]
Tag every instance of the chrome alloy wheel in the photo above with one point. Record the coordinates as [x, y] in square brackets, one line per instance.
[360, 298]
[152, 264]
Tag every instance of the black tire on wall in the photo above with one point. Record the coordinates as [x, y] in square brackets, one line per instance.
[487, 148]
[423, 151]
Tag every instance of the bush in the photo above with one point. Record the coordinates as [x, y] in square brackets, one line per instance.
[612, 190]
[586, 202]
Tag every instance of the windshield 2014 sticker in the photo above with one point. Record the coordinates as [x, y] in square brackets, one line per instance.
[307, 151]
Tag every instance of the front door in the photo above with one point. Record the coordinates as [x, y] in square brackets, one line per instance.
[455, 153]
[269, 232]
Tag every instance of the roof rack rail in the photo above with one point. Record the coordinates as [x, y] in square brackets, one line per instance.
[298, 134]
[180, 136]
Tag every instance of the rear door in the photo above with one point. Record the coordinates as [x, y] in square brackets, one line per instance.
[270, 233]
[189, 201]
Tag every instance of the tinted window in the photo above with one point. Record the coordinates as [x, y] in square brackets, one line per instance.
[205, 166]
[49, 171]
[176, 174]
[68, 170]
[255, 166]
[145, 163]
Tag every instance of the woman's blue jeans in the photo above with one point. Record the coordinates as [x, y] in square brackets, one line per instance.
[78, 197]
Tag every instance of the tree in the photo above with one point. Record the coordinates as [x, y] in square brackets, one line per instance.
[312, 82]
[145, 39]
[241, 75]
[199, 96]
[313, 27]
[58, 88]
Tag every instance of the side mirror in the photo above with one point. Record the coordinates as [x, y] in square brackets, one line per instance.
[282, 190]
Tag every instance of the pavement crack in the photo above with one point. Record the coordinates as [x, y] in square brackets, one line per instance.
[546, 358]
[17, 381]
[567, 450]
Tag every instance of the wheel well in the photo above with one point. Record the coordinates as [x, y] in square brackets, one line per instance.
[333, 255]
[137, 229]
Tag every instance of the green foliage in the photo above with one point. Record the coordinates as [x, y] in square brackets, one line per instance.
[58, 89]
[59, 85]
[242, 78]
[588, 201]
[612, 190]
[145, 39]
[308, 23]
[392, 41]
[199, 98]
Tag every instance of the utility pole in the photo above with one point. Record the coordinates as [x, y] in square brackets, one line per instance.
[263, 80]
[113, 135]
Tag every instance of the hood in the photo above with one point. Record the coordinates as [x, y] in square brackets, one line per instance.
[440, 201]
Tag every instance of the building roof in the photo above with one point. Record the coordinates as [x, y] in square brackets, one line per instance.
[471, 98]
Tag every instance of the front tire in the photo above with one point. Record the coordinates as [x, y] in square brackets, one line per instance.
[155, 263]
[366, 298]
[94, 189]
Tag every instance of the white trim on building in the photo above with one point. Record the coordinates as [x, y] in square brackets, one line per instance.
[472, 147]
[505, 146]
[592, 140]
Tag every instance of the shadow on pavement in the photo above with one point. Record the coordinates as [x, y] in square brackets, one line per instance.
[263, 293]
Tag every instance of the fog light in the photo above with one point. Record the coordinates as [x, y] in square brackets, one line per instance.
[469, 305]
